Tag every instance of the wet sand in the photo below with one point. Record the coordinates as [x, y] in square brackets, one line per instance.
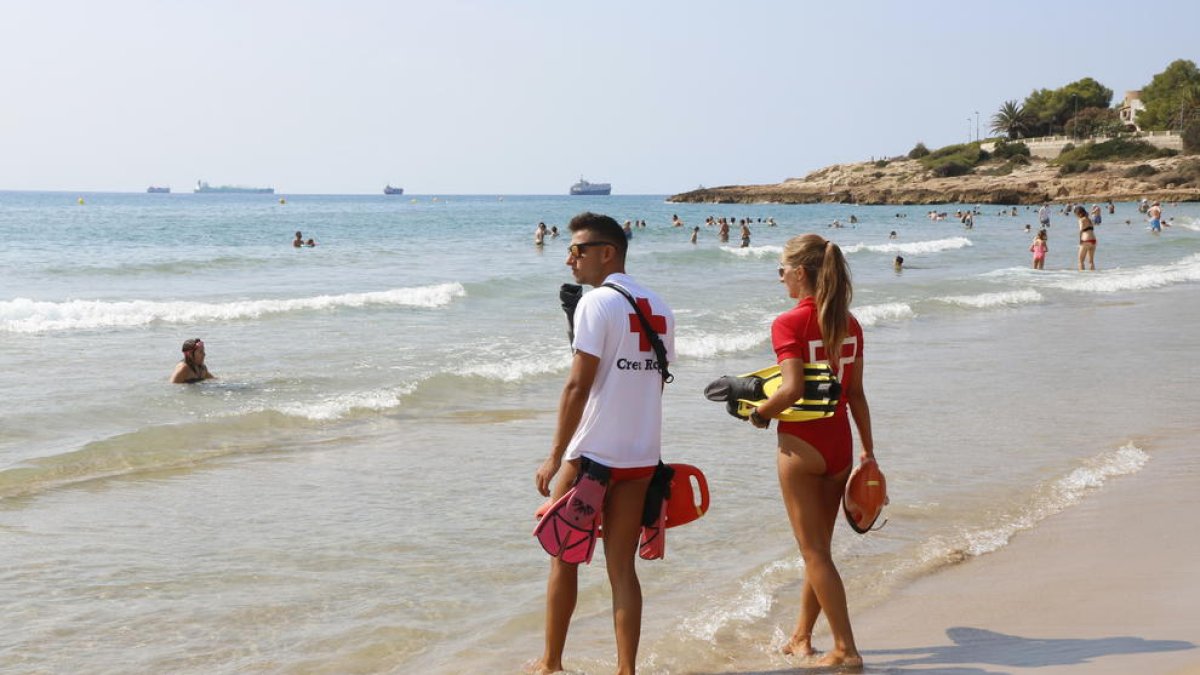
[1108, 586]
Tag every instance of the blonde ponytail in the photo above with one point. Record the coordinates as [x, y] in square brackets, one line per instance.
[825, 265]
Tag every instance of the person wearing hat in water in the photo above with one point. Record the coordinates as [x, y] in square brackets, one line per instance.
[191, 369]
[1154, 213]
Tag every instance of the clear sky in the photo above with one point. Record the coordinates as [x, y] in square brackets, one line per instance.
[453, 96]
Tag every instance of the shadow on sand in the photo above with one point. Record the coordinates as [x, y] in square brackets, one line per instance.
[989, 648]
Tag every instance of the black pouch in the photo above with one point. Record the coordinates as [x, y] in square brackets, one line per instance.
[590, 467]
[658, 492]
[569, 295]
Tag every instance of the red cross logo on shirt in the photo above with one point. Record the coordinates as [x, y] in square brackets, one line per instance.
[849, 353]
[657, 322]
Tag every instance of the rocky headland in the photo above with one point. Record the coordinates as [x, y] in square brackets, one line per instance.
[907, 181]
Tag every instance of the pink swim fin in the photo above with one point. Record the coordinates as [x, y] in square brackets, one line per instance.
[654, 537]
[568, 528]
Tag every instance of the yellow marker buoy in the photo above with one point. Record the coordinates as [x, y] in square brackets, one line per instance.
[282, 200]
[79, 201]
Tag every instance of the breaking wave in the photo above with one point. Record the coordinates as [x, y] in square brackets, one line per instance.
[1136, 279]
[871, 315]
[23, 315]
[990, 300]
[912, 248]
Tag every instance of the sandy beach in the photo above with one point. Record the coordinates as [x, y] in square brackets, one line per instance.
[1108, 586]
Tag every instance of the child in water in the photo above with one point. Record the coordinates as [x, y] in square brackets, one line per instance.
[1039, 249]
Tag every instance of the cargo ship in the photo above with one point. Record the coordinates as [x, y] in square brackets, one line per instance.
[389, 190]
[156, 190]
[585, 188]
[203, 187]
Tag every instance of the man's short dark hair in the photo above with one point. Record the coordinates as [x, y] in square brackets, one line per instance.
[603, 228]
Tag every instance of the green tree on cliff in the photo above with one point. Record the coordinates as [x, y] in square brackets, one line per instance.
[1172, 97]
[1011, 120]
[1094, 122]
[1050, 109]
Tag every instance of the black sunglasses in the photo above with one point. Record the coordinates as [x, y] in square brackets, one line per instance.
[576, 250]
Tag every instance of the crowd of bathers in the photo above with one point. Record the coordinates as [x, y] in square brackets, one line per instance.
[723, 225]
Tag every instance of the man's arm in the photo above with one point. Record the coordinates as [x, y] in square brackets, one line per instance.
[570, 410]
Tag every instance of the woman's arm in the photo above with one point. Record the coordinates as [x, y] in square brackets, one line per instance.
[857, 402]
[789, 391]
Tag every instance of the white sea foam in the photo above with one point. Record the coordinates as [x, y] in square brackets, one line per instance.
[754, 251]
[990, 300]
[750, 604]
[23, 315]
[335, 407]
[1049, 499]
[1136, 279]
[515, 370]
[1186, 223]
[705, 346]
[913, 247]
[871, 315]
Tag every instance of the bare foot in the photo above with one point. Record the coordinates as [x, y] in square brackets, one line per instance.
[839, 662]
[537, 667]
[799, 645]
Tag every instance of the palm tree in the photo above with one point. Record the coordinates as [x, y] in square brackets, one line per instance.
[1011, 120]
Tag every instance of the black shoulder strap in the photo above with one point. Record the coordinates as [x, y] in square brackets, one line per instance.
[660, 350]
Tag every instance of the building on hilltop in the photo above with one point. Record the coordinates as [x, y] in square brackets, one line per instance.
[1129, 109]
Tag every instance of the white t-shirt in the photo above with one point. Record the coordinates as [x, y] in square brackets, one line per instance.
[621, 425]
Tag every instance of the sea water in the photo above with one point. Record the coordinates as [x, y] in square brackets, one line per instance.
[354, 493]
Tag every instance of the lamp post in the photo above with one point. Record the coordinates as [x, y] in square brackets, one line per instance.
[976, 125]
[968, 129]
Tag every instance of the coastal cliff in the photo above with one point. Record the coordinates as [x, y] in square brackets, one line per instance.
[907, 181]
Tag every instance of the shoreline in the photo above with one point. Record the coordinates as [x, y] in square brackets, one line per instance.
[1100, 588]
[1103, 587]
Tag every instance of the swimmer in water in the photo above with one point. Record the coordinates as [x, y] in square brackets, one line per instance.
[191, 369]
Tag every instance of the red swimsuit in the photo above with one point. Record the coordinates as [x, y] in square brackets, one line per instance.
[796, 335]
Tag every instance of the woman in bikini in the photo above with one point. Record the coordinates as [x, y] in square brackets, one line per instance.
[814, 457]
[1087, 238]
[191, 369]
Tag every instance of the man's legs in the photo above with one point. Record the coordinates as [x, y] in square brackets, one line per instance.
[622, 527]
[561, 589]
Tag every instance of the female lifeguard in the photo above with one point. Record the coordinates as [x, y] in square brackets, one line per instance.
[815, 457]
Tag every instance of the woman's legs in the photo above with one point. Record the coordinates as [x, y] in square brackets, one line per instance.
[810, 607]
[811, 499]
[1091, 256]
[622, 527]
[1082, 254]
